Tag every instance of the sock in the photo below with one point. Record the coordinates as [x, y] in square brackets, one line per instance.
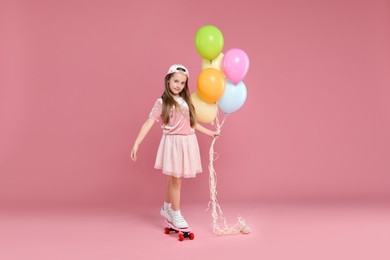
[167, 205]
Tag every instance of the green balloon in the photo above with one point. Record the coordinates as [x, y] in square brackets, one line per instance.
[209, 42]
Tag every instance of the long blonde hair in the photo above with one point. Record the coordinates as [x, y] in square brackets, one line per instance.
[168, 102]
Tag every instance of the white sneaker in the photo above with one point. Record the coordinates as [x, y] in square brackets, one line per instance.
[166, 214]
[179, 222]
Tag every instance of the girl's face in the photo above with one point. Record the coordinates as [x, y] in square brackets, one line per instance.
[176, 83]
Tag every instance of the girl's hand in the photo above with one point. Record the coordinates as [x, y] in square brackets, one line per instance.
[206, 131]
[215, 134]
[141, 135]
[134, 153]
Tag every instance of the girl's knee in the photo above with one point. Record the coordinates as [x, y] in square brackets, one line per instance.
[175, 181]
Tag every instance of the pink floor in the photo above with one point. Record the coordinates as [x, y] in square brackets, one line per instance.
[280, 231]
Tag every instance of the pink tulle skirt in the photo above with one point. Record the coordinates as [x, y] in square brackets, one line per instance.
[178, 156]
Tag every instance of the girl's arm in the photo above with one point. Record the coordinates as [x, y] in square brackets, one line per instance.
[206, 131]
[141, 135]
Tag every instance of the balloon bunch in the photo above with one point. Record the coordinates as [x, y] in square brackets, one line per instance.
[219, 85]
[220, 81]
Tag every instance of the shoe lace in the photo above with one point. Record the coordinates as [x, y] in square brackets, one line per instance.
[179, 219]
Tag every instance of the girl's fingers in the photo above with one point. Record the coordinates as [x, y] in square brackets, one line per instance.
[133, 156]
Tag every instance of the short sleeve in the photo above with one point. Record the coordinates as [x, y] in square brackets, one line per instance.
[156, 110]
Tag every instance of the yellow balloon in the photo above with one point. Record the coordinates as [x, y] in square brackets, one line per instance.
[211, 85]
[205, 112]
[216, 63]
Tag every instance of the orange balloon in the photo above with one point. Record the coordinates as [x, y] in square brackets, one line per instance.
[211, 85]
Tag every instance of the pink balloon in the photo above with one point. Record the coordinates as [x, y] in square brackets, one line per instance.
[235, 65]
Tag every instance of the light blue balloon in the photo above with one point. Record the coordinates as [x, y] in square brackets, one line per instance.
[233, 98]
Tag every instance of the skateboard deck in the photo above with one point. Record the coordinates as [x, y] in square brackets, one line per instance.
[182, 232]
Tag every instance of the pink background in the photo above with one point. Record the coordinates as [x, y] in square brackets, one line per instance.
[78, 79]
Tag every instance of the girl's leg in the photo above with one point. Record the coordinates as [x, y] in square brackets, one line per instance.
[167, 194]
[173, 196]
[166, 209]
[173, 192]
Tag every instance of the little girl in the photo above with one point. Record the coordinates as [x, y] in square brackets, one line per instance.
[178, 153]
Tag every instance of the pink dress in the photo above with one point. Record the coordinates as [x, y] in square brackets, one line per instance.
[178, 153]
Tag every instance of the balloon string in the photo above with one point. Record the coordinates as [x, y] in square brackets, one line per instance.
[216, 211]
